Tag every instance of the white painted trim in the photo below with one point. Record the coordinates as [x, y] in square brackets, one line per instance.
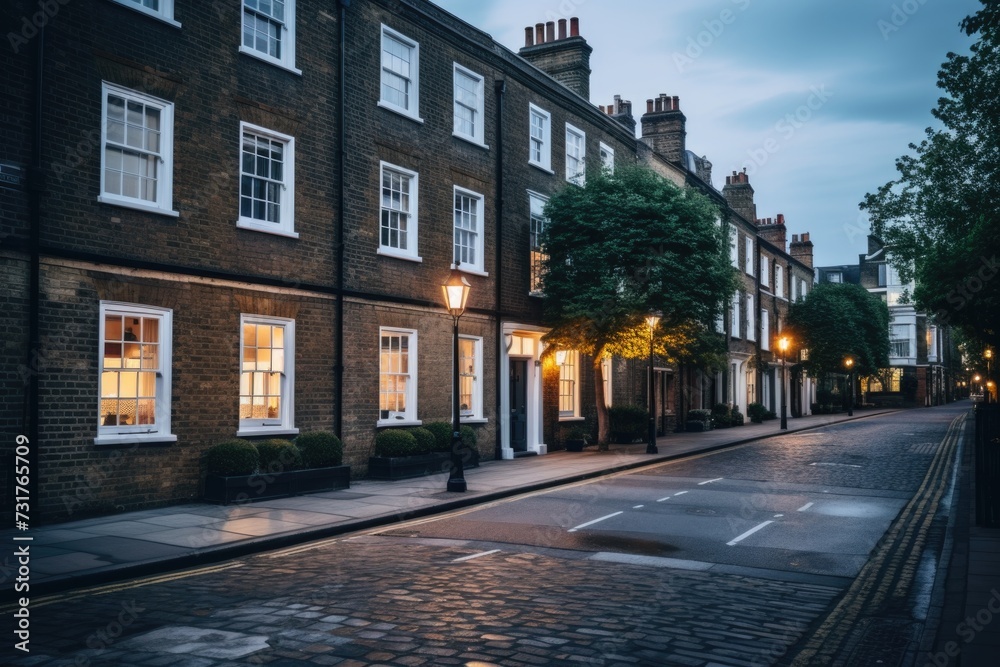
[285, 423]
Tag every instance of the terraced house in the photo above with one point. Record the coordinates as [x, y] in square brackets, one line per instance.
[234, 218]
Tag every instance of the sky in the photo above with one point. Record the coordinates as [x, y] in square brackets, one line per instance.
[816, 99]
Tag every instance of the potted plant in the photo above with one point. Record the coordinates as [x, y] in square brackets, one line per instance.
[243, 471]
[576, 439]
[406, 453]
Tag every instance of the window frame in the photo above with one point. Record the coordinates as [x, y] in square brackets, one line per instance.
[165, 157]
[536, 279]
[475, 413]
[286, 224]
[412, 110]
[779, 281]
[572, 361]
[734, 315]
[286, 39]
[478, 267]
[478, 138]
[748, 260]
[285, 423]
[580, 177]
[165, 13]
[734, 246]
[411, 253]
[751, 318]
[607, 154]
[765, 271]
[410, 414]
[765, 330]
[113, 434]
[545, 149]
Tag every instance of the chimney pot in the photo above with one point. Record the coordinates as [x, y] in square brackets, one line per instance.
[677, 103]
[601, 107]
[562, 28]
[805, 237]
[574, 27]
[539, 33]
[550, 32]
[529, 36]
[649, 106]
[781, 218]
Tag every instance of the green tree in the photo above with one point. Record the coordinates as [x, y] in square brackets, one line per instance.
[940, 217]
[624, 245]
[837, 321]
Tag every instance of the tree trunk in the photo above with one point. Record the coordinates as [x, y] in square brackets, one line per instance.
[603, 420]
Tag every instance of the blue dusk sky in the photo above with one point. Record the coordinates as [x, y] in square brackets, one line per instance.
[816, 99]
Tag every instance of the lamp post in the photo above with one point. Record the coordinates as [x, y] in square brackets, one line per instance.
[456, 294]
[652, 320]
[783, 344]
[849, 362]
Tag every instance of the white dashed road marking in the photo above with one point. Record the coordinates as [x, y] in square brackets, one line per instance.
[591, 523]
[748, 533]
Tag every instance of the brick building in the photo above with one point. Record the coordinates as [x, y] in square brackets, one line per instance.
[233, 219]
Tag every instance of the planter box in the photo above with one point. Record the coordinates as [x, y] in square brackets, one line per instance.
[575, 445]
[261, 486]
[406, 467]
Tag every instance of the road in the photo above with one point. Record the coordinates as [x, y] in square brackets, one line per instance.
[730, 558]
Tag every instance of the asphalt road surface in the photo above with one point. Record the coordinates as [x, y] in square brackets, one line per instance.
[730, 558]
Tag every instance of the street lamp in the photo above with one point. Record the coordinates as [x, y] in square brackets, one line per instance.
[988, 353]
[456, 294]
[652, 320]
[783, 344]
[849, 362]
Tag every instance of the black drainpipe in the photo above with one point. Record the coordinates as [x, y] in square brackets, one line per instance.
[499, 87]
[338, 369]
[36, 187]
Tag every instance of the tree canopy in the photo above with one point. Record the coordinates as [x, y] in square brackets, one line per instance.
[940, 218]
[837, 321]
[626, 244]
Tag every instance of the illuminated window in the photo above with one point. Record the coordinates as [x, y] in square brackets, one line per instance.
[537, 257]
[470, 365]
[266, 365]
[569, 385]
[134, 390]
[397, 376]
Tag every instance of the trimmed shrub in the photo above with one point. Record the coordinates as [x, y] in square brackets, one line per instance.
[278, 455]
[442, 435]
[469, 437]
[757, 412]
[320, 449]
[703, 416]
[232, 457]
[426, 440]
[722, 416]
[396, 442]
[736, 418]
[628, 423]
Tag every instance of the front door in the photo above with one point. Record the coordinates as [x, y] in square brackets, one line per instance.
[519, 405]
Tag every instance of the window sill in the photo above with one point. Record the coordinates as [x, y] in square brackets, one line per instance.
[389, 252]
[139, 206]
[572, 419]
[401, 111]
[388, 423]
[541, 167]
[265, 227]
[474, 420]
[474, 272]
[537, 295]
[470, 140]
[134, 439]
[147, 12]
[269, 60]
[245, 431]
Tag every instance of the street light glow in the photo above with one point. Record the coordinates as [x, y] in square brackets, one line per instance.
[783, 343]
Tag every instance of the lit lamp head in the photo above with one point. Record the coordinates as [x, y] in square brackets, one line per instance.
[988, 353]
[849, 362]
[652, 320]
[977, 378]
[456, 293]
[784, 343]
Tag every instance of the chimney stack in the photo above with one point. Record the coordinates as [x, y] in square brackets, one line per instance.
[773, 231]
[739, 195]
[621, 110]
[801, 249]
[565, 58]
[663, 128]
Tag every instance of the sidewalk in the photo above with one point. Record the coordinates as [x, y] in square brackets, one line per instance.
[90, 551]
